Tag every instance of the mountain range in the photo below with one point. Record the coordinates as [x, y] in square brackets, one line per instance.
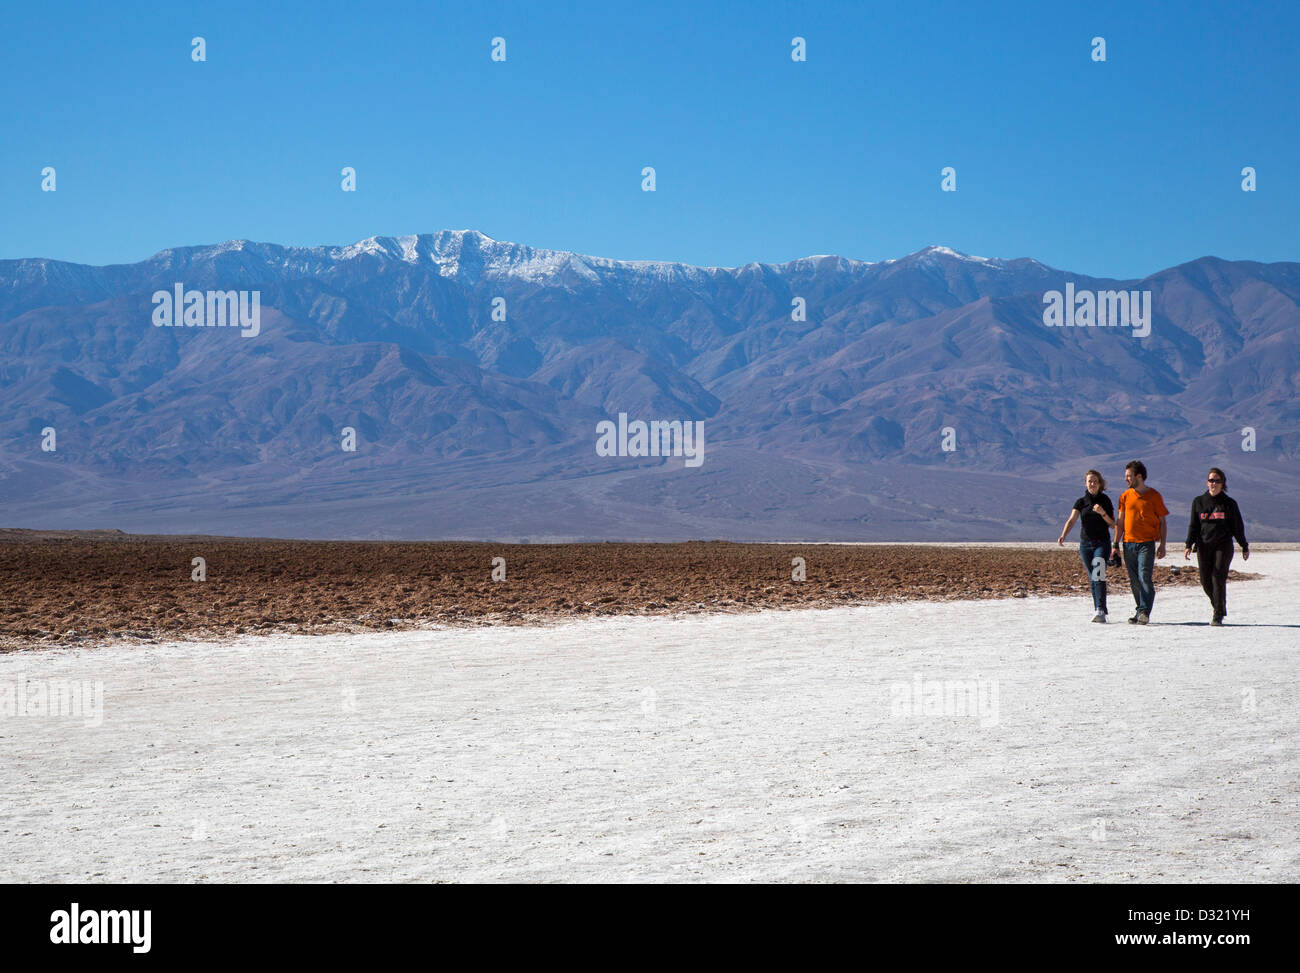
[474, 373]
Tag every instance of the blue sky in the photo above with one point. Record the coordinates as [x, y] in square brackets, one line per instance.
[1118, 168]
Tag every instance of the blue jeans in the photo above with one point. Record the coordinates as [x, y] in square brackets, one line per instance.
[1089, 551]
[1140, 561]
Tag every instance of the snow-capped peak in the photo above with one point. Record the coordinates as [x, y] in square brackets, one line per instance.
[471, 255]
[935, 250]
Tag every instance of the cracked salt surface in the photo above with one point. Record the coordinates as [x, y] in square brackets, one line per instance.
[777, 746]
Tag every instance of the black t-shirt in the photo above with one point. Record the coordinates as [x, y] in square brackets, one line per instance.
[1091, 526]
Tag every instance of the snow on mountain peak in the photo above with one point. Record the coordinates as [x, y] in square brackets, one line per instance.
[941, 251]
[469, 254]
[934, 252]
[818, 258]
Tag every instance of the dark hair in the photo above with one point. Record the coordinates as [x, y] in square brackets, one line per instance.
[1136, 466]
[1098, 476]
[1222, 475]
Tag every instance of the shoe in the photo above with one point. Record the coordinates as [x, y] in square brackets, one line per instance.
[1133, 620]
[1217, 621]
[1100, 617]
[1143, 618]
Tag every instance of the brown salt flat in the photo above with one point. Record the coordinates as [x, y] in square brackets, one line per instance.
[86, 588]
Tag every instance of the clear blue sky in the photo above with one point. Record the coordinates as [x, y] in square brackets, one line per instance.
[1120, 168]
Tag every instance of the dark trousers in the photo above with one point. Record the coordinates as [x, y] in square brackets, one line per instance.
[1140, 562]
[1214, 562]
[1091, 551]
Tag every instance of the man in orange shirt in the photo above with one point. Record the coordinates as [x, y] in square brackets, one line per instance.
[1140, 522]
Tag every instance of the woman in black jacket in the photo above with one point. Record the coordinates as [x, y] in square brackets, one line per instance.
[1094, 536]
[1216, 520]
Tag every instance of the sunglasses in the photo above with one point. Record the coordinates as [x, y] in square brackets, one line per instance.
[1213, 479]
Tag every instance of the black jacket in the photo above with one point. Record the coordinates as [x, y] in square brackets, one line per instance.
[1215, 520]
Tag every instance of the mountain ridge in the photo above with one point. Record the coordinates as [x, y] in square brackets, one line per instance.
[398, 338]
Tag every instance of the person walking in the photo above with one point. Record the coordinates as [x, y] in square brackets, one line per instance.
[1140, 524]
[1216, 521]
[1097, 514]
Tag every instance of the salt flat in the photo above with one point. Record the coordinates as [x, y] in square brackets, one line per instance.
[833, 745]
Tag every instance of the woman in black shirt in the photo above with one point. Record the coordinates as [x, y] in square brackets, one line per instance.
[1094, 536]
[1216, 520]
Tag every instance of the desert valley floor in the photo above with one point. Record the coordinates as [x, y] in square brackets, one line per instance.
[809, 744]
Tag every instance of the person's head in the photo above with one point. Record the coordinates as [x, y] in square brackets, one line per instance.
[1216, 481]
[1094, 482]
[1135, 473]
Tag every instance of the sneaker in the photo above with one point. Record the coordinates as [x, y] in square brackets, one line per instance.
[1217, 621]
[1100, 617]
[1133, 620]
[1143, 618]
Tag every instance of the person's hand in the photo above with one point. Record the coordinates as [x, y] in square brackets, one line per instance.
[1060, 541]
[1160, 551]
[1187, 552]
[1245, 553]
[1098, 509]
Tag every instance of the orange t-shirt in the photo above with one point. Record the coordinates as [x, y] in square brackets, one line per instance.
[1142, 514]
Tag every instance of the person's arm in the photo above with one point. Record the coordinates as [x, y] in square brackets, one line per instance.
[1100, 511]
[1193, 533]
[1162, 514]
[1074, 515]
[1239, 531]
[1119, 529]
